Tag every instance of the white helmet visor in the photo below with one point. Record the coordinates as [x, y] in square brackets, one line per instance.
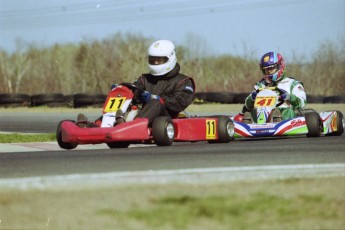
[155, 60]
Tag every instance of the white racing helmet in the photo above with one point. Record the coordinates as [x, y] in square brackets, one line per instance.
[161, 57]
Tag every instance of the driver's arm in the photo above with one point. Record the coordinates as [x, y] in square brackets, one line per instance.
[139, 83]
[182, 96]
[249, 102]
[298, 97]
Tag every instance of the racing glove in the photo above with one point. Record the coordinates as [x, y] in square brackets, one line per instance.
[285, 96]
[113, 86]
[253, 95]
[254, 92]
[147, 96]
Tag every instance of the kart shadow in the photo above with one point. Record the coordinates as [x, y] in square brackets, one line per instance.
[269, 138]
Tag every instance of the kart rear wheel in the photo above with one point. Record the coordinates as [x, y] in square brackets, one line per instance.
[226, 130]
[118, 145]
[313, 124]
[163, 131]
[62, 144]
[340, 125]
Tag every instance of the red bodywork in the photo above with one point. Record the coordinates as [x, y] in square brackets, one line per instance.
[137, 130]
[186, 129]
[119, 92]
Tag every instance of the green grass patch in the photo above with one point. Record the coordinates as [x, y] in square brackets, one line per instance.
[232, 209]
[19, 138]
[296, 203]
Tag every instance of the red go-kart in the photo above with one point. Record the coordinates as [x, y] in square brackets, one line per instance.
[125, 98]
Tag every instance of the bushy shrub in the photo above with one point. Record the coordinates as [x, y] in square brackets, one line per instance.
[92, 66]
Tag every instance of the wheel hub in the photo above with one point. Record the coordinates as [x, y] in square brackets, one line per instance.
[170, 131]
[230, 127]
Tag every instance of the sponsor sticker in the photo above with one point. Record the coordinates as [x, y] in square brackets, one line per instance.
[296, 123]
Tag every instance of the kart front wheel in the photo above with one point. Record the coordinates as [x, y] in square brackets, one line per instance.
[163, 131]
[226, 130]
[62, 144]
[340, 123]
[313, 124]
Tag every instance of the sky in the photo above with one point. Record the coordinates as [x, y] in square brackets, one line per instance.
[235, 27]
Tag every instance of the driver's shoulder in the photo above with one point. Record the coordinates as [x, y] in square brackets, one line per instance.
[181, 79]
[290, 80]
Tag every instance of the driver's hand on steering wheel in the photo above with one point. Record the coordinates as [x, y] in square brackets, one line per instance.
[285, 96]
[147, 96]
[254, 92]
[113, 86]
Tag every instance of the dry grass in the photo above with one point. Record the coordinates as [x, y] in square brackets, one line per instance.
[92, 66]
[280, 204]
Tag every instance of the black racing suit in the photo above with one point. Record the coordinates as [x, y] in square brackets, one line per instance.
[175, 89]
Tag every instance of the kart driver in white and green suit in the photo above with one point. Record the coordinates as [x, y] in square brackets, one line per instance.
[273, 68]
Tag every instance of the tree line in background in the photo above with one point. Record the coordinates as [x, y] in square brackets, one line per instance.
[91, 67]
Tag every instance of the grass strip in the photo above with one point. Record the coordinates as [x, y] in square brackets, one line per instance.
[20, 138]
[294, 203]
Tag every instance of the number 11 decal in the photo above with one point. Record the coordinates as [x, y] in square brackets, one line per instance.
[114, 103]
[211, 129]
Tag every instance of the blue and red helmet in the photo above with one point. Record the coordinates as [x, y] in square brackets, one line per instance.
[272, 66]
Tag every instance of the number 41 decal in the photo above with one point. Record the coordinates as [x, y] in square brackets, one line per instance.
[211, 129]
[265, 101]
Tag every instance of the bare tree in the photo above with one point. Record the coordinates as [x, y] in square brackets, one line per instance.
[13, 70]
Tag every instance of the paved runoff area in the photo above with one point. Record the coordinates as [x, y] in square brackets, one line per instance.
[198, 175]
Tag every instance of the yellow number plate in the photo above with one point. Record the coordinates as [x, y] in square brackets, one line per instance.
[114, 104]
[211, 129]
[265, 101]
[334, 123]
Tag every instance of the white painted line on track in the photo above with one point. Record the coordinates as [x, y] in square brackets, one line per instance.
[197, 175]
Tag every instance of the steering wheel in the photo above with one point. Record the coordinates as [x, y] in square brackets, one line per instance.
[280, 92]
[136, 91]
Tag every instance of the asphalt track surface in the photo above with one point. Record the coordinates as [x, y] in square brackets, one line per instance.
[179, 156]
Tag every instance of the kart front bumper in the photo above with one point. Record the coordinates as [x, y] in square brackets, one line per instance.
[135, 130]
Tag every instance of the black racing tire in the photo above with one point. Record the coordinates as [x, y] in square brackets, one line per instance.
[45, 99]
[163, 131]
[313, 124]
[340, 125]
[200, 96]
[316, 99]
[240, 98]
[85, 100]
[303, 112]
[62, 144]
[14, 100]
[118, 145]
[220, 97]
[226, 130]
[334, 99]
